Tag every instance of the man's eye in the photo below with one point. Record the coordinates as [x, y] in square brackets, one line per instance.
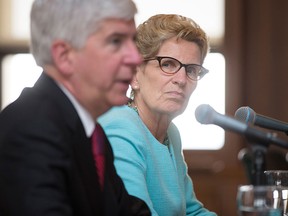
[116, 41]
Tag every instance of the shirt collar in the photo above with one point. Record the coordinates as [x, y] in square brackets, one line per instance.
[85, 117]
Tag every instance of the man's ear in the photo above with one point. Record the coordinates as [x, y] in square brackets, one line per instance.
[61, 53]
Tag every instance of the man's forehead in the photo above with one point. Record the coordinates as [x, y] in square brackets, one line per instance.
[117, 25]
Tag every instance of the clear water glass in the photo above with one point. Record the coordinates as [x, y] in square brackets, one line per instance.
[259, 200]
[279, 178]
[276, 177]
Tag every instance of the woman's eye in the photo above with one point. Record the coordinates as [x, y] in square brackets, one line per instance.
[165, 64]
[168, 64]
[193, 70]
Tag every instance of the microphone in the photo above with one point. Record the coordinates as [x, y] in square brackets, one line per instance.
[205, 114]
[248, 115]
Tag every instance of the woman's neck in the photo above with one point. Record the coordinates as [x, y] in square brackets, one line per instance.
[157, 123]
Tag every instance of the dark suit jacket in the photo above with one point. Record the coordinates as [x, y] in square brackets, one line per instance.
[46, 161]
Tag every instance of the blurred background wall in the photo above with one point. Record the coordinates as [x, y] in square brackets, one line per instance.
[256, 51]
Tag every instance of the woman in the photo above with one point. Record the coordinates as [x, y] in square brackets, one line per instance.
[146, 144]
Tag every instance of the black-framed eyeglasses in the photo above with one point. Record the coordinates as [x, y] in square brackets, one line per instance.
[171, 65]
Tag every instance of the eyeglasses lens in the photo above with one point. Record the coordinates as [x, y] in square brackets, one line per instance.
[169, 65]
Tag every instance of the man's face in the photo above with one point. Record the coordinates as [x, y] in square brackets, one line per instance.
[104, 67]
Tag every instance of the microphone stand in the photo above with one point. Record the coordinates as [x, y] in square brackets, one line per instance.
[259, 163]
[259, 145]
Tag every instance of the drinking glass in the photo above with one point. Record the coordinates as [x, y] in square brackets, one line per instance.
[259, 200]
[279, 178]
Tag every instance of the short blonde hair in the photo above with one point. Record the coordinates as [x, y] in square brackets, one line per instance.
[152, 33]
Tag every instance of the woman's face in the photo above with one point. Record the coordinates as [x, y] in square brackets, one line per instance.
[166, 94]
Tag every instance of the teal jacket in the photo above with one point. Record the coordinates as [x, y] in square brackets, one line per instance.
[150, 170]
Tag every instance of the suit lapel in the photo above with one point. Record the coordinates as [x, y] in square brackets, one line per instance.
[82, 156]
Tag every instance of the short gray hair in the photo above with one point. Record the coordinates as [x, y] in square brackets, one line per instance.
[71, 20]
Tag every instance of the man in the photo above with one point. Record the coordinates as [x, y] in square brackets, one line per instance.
[87, 52]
